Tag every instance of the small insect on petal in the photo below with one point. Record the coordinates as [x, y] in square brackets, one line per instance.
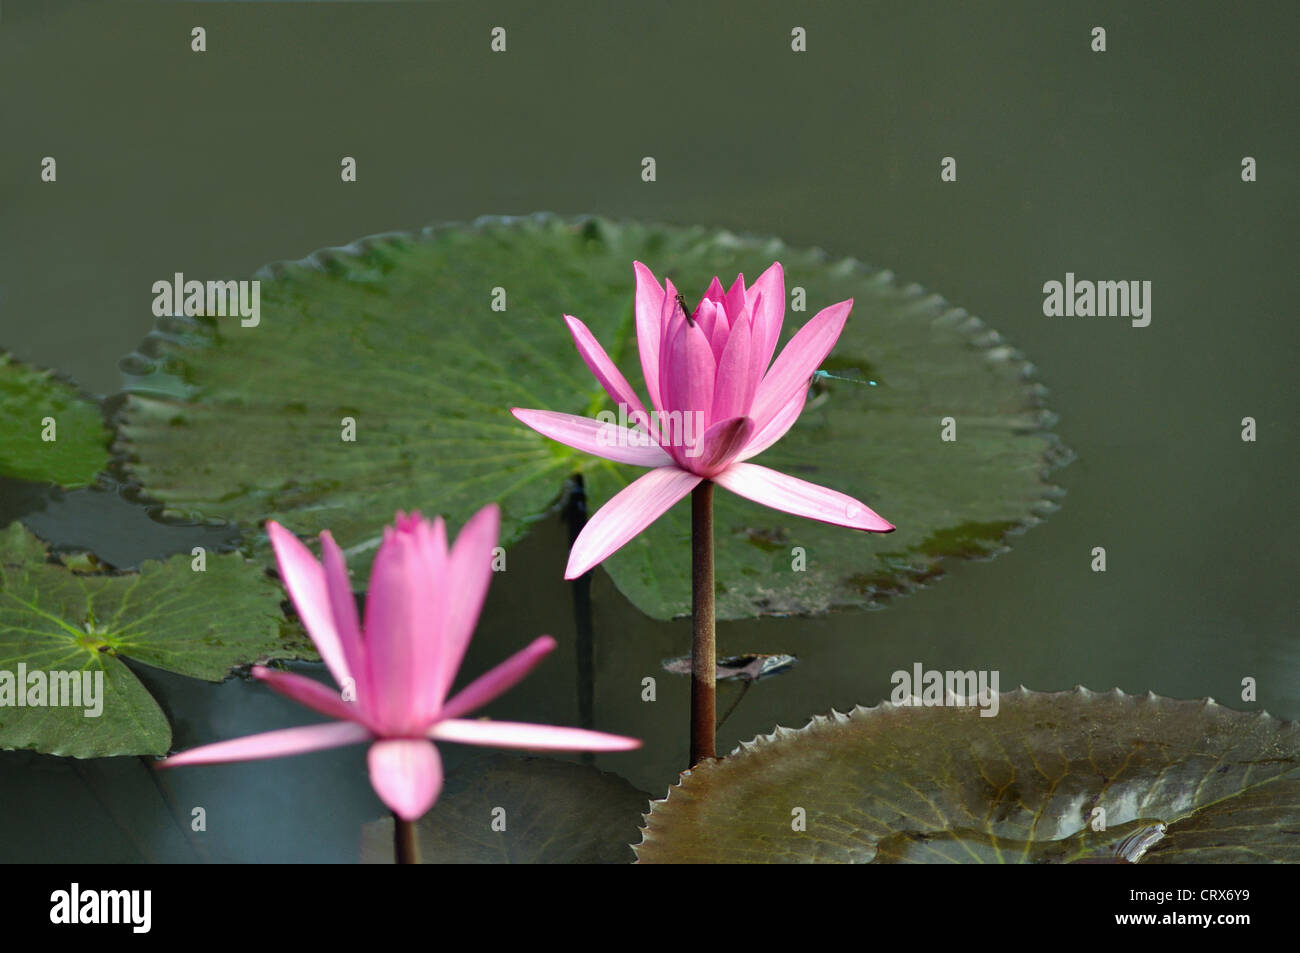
[681, 303]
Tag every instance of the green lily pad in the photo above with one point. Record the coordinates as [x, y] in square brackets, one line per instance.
[1052, 778]
[54, 620]
[34, 405]
[555, 812]
[397, 332]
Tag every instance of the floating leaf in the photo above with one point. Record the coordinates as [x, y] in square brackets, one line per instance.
[35, 404]
[54, 620]
[397, 333]
[555, 812]
[741, 668]
[1172, 781]
[1259, 826]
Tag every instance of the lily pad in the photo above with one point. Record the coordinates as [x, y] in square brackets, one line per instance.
[167, 615]
[1169, 781]
[554, 812]
[36, 405]
[398, 334]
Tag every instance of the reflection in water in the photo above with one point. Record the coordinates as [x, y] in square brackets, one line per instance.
[573, 504]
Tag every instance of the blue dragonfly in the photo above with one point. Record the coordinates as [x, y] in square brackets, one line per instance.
[819, 380]
[853, 377]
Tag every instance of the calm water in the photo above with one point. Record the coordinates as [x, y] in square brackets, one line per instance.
[1122, 165]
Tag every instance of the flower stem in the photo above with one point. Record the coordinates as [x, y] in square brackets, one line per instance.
[405, 846]
[703, 649]
[575, 514]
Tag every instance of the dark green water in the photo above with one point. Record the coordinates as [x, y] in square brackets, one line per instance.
[1122, 165]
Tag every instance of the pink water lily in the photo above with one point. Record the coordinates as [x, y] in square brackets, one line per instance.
[423, 603]
[715, 404]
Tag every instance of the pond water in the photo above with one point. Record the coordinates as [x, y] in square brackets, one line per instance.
[1121, 165]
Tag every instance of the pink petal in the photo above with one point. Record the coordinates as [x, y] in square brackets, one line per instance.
[439, 536]
[719, 332]
[649, 306]
[770, 312]
[343, 605]
[304, 579]
[802, 356]
[631, 510]
[792, 495]
[470, 574]
[758, 356]
[598, 362]
[600, 437]
[406, 773]
[736, 298]
[499, 680]
[691, 370]
[674, 318]
[442, 597]
[714, 292]
[273, 744]
[309, 692]
[705, 315]
[406, 608]
[513, 734]
[732, 384]
[722, 443]
[777, 427]
[681, 433]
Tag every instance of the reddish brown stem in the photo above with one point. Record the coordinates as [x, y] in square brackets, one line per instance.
[703, 648]
[406, 849]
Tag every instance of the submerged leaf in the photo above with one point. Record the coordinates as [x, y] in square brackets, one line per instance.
[544, 812]
[1052, 778]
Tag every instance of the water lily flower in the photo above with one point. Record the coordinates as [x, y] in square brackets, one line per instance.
[423, 603]
[707, 373]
